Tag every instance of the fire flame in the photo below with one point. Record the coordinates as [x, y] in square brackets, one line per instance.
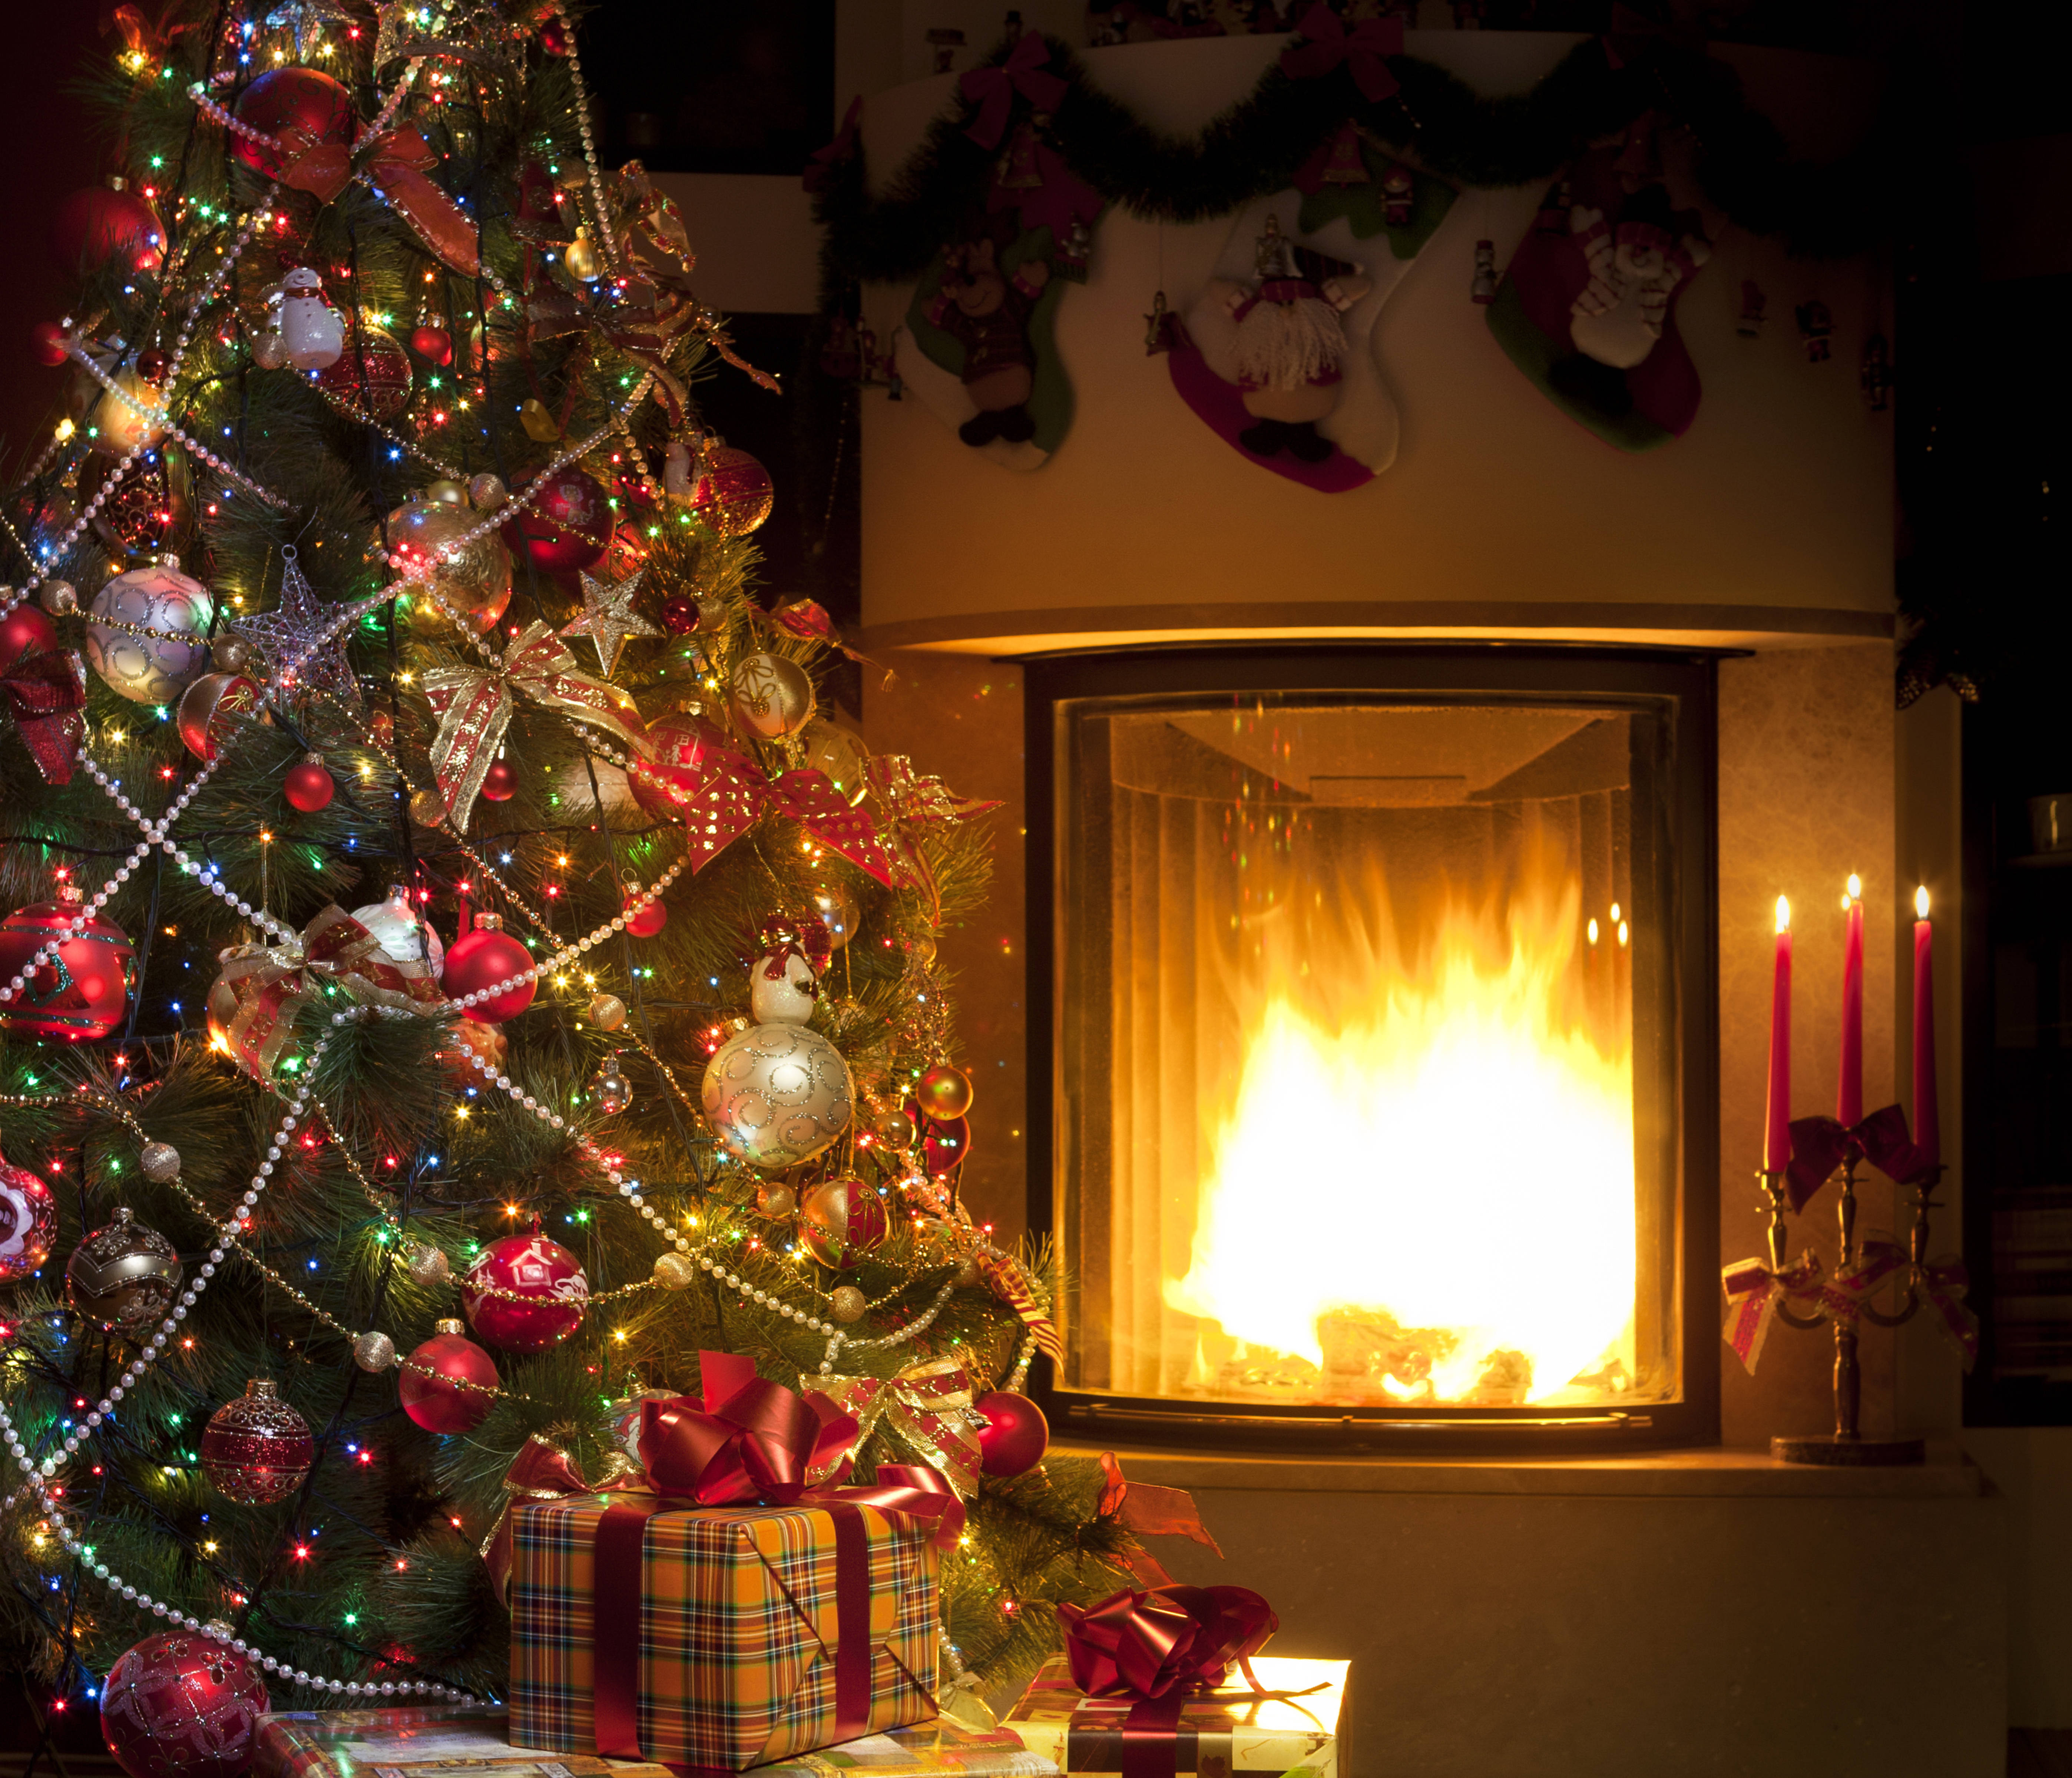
[1424, 1187]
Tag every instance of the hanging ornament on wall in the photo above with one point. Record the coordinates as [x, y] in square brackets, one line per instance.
[480, 959]
[312, 332]
[82, 991]
[567, 525]
[371, 373]
[475, 585]
[546, 1274]
[123, 1277]
[771, 696]
[1015, 1435]
[256, 1449]
[28, 1222]
[840, 1220]
[308, 786]
[778, 1093]
[209, 711]
[182, 1704]
[440, 1404]
[155, 669]
[304, 101]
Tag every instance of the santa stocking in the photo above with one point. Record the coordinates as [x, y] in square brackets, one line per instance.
[1274, 354]
[1588, 306]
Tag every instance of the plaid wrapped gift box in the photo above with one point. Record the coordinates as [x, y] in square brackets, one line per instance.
[1219, 1736]
[737, 1639]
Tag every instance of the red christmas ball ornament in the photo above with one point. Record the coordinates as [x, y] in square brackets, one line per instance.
[553, 35]
[679, 748]
[499, 784]
[945, 1141]
[373, 373]
[480, 959]
[645, 922]
[840, 1220]
[733, 493]
[256, 1449]
[308, 786]
[432, 342]
[298, 98]
[81, 991]
[26, 631]
[544, 1274]
[439, 1403]
[566, 526]
[28, 1222]
[100, 228]
[182, 1705]
[48, 340]
[1015, 1435]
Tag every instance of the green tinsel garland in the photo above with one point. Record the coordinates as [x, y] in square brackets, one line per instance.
[1435, 120]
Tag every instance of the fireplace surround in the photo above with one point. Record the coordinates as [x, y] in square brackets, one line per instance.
[1377, 992]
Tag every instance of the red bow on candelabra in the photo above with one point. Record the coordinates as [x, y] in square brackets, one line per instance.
[821, 169]
[992, 89]
[1326, 43]
[1819, 1145]
[46, 691]
[474, 706]
[395, 165]
[1754, 1290]
[724, 795]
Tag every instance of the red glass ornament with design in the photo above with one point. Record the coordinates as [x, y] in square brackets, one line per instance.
[482, 958]
[566, 526]
[303, 99]
[182, 1705]
[680, 748]
[28, 1222]
[544, 1274]
[1015, 1435]
[99, 229]
[733, 493]
[439, 1404]
[372, 374]
[80, 992]
[256, 1449]
[840, 1220]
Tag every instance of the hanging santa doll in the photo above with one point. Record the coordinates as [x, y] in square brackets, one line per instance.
[1290, 344]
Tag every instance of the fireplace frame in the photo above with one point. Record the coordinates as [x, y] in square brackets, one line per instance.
[1685, 682]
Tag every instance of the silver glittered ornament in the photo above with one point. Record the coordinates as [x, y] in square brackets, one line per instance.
[429, 1265]
[161, 1162]
[59, 598]
[374, 1352]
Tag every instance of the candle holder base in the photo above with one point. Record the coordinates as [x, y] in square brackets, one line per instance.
[1826, 1448]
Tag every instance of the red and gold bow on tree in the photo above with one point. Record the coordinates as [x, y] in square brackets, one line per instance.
[252, 1008]
[1754, 1289]
[627, 314]
[474, 706]
[723, 795]
[743, 1442]
[396, 166]
[1325, 44]
[1011, 1285]
[1820, 1145]
[46, 692]
[928, 1405]
[1144, 1510]
[992, 89]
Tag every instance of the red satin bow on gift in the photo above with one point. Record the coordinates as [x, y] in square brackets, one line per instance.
[47, 693]
[1819, 1145]
[396, 166]
[992, 89]
[1156, 1641]
[1327, 43]
[820, 170]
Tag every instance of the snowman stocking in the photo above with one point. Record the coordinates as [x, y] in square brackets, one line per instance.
[1587, 308]
[1275, 354]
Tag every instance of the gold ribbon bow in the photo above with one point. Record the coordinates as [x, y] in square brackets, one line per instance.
[252, 1008]
[926, 1404]
[474, 706]
[629, 315]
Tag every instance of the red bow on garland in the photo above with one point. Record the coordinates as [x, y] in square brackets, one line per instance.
[992, 89]
[820, 170]
[396, 166]
[723, 795]
[1820, 1145]
[46, 691]
[1327, 43]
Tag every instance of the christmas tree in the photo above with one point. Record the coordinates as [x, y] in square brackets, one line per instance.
[458, 974]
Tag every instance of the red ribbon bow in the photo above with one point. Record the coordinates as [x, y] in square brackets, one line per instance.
[820, 170]
[1327, 43]
[396, 166]
[1819, 1145]
[747, 1440]
[1755, 1291]
[992, 89]
[722, 795]
[47, 693]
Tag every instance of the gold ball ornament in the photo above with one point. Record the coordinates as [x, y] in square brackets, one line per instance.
[712, 614]
[944, 1093]
[777, 1094]
[155, 668]
[840, 1220]
[121, 427]
[584, 263]
[839, 752]
[473, 582]
[922, 948]
[428, 808]
[230, 653]
[447, 491]
[161, 1162]
[269, 350]
[540, 425]
[837, 909]
[847, 1302]
[209, 711]
[771, 696]
[59, 598]
[674, 1272]
[429, 1265]
[487, 491]
[776, 1201]
[607, 1011]
[967, 1272]
[374, 1351]
[898, 1131]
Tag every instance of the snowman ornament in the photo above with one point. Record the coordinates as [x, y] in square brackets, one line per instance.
[312, 332]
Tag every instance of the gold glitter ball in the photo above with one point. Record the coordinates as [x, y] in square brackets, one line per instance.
[607, 1011]
[673, 1272]
[848, 1303]
[428, 808]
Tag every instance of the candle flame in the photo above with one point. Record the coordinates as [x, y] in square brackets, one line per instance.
[1622, 932]
[1856, 887]
[1593, 929]
[1921, 903]
[1783, 915]
[1615, 913]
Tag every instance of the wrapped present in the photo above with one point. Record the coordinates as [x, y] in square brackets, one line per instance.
[730, 1603]
[1144, 1690]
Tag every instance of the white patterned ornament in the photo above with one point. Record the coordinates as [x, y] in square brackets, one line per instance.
[403, 937]
[778, 1093]
[151, 669]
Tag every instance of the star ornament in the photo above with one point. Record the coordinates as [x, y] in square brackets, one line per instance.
[289, 630]
[608, 618]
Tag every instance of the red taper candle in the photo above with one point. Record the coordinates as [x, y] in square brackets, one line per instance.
[1777, 1124]
[1927, 1113]
[1849, 1092]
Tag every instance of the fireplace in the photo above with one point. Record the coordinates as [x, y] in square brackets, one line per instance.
[1379, 989]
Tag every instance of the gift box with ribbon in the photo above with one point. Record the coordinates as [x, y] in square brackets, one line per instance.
[728, 1601]
[1155, 1681]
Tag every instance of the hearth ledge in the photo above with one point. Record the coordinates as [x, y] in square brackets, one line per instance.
[1704, 1474]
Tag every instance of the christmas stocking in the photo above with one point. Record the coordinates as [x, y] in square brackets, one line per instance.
[1587, 308]
[1274, 354]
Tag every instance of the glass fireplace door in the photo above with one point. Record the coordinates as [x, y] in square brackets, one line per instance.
[1366, 1050]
